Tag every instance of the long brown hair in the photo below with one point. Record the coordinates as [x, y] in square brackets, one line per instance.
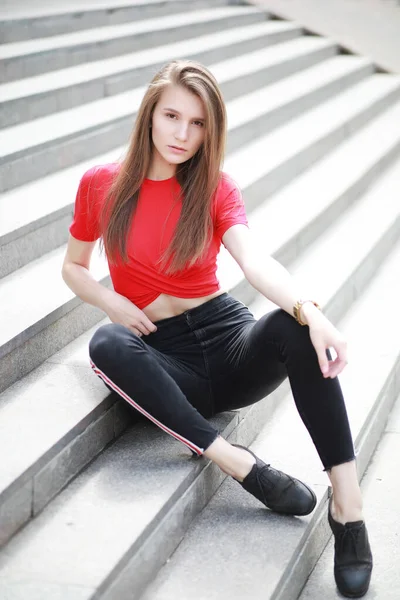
[198, 177]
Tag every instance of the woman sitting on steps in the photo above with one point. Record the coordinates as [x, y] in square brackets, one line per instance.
[180, 349]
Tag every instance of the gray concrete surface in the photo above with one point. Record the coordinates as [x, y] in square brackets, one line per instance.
[368, 27]
[381, 501]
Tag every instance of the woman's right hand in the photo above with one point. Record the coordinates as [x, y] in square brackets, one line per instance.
[123, 311]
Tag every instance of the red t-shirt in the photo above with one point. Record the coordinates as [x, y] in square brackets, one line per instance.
[141, 279]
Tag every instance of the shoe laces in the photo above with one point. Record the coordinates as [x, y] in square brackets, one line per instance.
[261, 483]
[349, 538]
[266, 482]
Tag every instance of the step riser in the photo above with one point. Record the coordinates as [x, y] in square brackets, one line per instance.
[18, 30]
[262, 77]
[18, 111]
[262, 125]
[19, 67]
[26, 166]
[322, 222]
[29, 494]
[34, 244]
[24, 353]
[353, 288]
[298, 244]
[24, 248]
[283, 174]
[59, 471]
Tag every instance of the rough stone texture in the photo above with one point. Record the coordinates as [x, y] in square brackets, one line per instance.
[393, 424]
[56, 147]
[40, 19]
[34, 244]
[34, 351]
[125, 415]
[49, 408]
[98, 13]
[300, 143]
[40, 56]
[75, 86]
[37, 590]
[277, 103]
[70, 461]
[234, 549]
[309, 53]
[135, 482]
[15, 511]
[158, 547]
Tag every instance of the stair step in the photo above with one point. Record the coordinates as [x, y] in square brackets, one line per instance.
[144, 493]
[37, 148]
[33, 57]
[21, 224]
[26, 23]
[270, 556]
[42, 95]
[81, 420]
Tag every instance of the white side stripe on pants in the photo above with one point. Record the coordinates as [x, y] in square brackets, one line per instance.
[106, 379]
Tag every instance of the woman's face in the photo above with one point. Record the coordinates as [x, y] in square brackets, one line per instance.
[178, 125]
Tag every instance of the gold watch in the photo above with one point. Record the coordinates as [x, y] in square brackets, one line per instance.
[297, 307]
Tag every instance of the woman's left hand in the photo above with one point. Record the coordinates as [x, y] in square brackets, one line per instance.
[323, 336]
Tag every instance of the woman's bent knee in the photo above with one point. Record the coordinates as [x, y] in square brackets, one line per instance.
[287, 331]
[107, 341]
[282, 322]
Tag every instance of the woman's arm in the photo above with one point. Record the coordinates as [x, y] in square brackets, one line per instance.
[263, 272]
[272, 280]
[76, 274]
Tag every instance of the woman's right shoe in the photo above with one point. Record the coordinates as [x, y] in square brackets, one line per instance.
[279, 492]
[353, 557]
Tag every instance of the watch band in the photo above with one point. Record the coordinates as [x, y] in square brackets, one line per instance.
[297, 307]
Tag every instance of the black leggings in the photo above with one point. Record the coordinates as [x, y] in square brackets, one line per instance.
[218, 357]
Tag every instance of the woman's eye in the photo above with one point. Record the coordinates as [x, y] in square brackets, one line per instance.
[171, 115]
[199, 123]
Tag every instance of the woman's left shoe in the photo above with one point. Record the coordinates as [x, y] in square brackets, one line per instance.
[279, 492]
[353, 557]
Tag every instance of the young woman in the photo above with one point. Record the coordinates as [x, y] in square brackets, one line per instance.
[181, 349]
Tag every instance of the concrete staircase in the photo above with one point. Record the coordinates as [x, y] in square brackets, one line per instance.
[91, 504]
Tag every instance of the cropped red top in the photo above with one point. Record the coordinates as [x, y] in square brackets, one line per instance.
[141, 279]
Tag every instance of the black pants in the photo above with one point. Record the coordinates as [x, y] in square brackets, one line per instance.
[218, 357]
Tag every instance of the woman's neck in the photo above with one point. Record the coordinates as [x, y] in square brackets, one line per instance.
[159, 169]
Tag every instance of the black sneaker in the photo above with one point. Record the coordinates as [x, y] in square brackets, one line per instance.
[353, 557]
[278, 491]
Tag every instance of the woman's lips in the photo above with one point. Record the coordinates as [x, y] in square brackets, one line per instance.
[177, 149]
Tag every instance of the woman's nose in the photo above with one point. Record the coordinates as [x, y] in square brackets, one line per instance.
[181, 132]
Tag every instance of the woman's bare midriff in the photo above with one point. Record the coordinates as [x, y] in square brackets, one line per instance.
[165, 306]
